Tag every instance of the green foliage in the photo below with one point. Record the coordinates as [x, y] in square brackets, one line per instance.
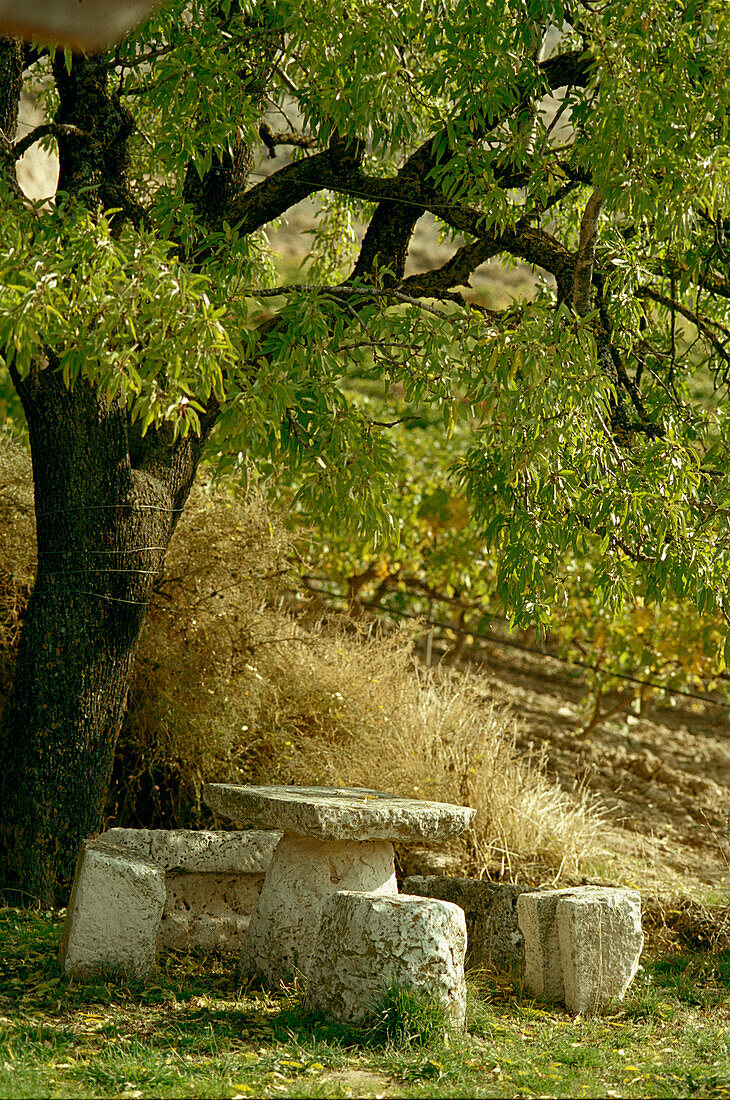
[406, 1018]
[598, 438]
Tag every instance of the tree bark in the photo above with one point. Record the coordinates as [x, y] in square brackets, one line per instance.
[103, 526]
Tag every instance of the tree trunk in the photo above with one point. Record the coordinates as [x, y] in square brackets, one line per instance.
[103, 527]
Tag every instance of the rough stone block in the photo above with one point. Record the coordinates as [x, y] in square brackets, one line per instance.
[303, 874]
[114, 913]
[493, 935]
[213, 881]
[582, 945]
[368, 942]
[543, 967]
[600, 946]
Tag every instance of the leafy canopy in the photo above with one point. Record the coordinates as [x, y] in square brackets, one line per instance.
[588, 139]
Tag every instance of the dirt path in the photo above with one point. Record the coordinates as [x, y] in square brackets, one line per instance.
[662, 781]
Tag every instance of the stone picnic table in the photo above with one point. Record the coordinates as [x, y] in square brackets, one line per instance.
[333, 839]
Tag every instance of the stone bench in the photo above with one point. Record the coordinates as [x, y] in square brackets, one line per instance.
[139, 891]
[333, 839]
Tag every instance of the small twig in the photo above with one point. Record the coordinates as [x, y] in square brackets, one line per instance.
[337, 292]
[54, 129]
[701, 325]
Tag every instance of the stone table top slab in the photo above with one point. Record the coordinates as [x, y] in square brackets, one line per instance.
[332, 813]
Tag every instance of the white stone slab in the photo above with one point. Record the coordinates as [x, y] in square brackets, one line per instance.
[582, 944]
[114, 913]
[332, 813]
[303, 874]
[201, 851]
[367, 943]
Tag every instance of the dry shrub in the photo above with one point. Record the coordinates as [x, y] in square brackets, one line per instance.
[676, 922]
[356, 711]
[230, 685]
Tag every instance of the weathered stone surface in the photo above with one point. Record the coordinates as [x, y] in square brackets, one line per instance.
[493, 935]
[304, 872]
[543, 968]
[221, 853]
[582, 945]
[337, 814]
[114, 913]
[208, 910]
[213, 881]
[600, 946]
[367, 943]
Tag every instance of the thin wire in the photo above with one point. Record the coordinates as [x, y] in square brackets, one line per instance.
[113, 599]
[537, 652]
[71, 550]
[375, 200]
[80, 572]
[108, 508]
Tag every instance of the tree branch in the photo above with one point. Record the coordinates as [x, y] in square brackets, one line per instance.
[273, 138]
[701, 326]
[53, 129]
[583, 274]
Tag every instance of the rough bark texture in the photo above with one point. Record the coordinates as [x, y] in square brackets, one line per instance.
[11, 66]
[102, 529]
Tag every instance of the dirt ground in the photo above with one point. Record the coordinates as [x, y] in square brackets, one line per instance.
[660, 781]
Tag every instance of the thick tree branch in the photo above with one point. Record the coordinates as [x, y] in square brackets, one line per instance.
[583, 276]
[457, 271]
[402, 199]
[388, 235]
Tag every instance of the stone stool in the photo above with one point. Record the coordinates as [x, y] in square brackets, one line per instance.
[582, 945]
[368, 943]
[334, 839]
[115, 910]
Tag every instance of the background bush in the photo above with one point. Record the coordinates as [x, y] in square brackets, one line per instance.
[236, 681]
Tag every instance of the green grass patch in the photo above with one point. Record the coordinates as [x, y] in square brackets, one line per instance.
[196, 1032]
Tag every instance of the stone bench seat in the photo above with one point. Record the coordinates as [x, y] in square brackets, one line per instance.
[139, 891]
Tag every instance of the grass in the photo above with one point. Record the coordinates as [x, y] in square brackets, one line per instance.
[194, 1032]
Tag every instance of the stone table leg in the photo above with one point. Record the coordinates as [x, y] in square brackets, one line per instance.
[303, 873]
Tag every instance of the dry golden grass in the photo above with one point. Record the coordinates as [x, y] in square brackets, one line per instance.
[231, 685]
[357, 711]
